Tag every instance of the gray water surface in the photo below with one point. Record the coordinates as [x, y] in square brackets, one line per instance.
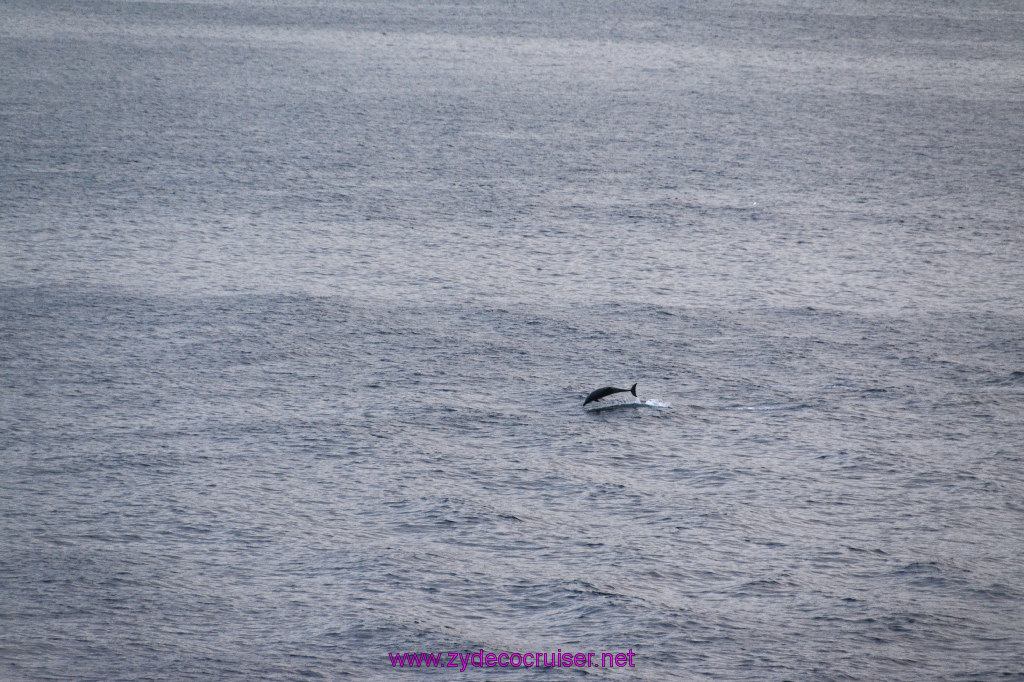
[299, 302]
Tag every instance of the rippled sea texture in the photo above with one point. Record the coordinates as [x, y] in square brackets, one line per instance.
[299, 303]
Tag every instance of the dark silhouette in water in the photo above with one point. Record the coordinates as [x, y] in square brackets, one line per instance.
[606, 391]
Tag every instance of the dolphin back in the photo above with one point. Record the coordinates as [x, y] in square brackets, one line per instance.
[606, 391]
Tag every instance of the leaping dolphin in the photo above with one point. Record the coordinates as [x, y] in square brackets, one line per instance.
[606, 391]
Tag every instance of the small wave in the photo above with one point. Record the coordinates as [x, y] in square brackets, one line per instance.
[631, 406]
[766, 408]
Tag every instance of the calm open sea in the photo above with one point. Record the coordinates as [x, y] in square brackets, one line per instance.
[299, 302]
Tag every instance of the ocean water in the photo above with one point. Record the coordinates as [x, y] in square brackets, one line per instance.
[299, 302]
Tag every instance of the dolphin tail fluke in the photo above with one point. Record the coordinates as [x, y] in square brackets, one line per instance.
[633, 390]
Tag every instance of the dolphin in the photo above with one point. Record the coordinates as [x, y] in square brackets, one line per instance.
[606, 391]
